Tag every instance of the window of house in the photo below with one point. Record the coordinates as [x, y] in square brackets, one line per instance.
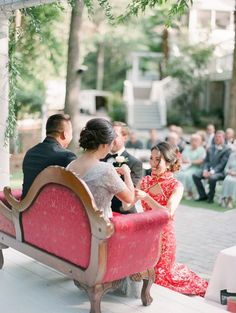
[222, 20]
[204, 19]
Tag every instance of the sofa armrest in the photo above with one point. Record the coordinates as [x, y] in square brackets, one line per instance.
[16, 193]
[135, 244]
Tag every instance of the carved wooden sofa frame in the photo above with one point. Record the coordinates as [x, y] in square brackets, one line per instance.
[92, 249]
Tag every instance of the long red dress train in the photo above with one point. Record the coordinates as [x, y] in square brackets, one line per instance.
[170, 274]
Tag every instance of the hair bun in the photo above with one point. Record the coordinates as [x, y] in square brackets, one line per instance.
[97, 131]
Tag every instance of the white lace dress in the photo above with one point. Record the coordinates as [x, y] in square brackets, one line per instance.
[229, 183]
[103, 182]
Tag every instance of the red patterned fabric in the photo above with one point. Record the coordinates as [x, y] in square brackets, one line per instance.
[7, 226]
[15, 192]
[134, 245]
[169, 274]
[57, 223]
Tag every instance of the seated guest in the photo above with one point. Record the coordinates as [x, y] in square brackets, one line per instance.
[192, 159]
[229, 183]
[153, 139]
[173, 139]
[133, 141]
[182, 141]
[213, 167]
[202, 133]
[210, 134]
[52, 151]
[118, 150]
[103, 179]
[229, 137]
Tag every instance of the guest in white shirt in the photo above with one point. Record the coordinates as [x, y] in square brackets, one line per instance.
[210, 133]
[229, 138]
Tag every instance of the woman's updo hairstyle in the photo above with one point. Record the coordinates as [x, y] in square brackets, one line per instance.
[96, 132]
[170, 153]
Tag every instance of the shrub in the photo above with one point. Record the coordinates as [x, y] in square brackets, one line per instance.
[116, 108]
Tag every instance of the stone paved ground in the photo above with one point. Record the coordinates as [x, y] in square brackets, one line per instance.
[201, 234]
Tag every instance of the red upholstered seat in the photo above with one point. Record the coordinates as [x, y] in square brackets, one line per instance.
[60, 226]
[57, 223]
[134, 245]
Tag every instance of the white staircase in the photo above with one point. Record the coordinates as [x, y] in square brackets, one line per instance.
[147, 105]
[146, 116]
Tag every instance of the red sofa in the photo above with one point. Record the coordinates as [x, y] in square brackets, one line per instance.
[58, 224]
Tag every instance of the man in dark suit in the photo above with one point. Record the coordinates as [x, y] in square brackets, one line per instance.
[118, 149]
[52, 151]
[213, 167]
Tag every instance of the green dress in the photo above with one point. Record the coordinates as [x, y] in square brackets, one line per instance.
[185, 175]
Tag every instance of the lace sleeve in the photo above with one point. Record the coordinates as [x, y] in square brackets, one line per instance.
[113, 181]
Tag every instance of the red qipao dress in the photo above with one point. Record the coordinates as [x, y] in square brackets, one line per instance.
[170, 274]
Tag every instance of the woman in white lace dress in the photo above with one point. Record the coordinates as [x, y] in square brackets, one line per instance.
[102, 178]
[229, 183]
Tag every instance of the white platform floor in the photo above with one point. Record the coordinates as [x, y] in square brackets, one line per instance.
[27, 286]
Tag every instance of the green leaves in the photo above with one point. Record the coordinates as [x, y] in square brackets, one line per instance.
[136, 7]
[105, 5]
[35, 50]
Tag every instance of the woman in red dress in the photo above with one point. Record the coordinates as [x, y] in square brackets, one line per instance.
[162, 191]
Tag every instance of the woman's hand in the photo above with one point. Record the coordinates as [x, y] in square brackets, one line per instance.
[140, 194]
[231, 173]
[123, 170]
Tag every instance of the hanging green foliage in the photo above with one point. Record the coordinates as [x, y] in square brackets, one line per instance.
[34, 50]
[35, 39]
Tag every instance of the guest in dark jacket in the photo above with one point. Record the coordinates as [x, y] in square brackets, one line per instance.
[133, 142]
[52, 151]
[153, 139]
[119, 152]
[213, 167]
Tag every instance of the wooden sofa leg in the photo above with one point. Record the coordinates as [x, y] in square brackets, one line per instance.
[1, 259]
[148, 278]
[2, 246]
[95, 293]
[147, 283]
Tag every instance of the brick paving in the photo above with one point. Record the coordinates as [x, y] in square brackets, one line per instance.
[201, 234]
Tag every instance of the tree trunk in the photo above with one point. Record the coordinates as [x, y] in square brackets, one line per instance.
[231, 116]
[165, 50]
[100, 66]
[73, 72]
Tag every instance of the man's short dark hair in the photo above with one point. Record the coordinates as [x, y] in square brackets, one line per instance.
[55, 123]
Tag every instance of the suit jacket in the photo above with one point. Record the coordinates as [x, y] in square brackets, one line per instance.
[136, 168]
[216, 159]
[49, 152]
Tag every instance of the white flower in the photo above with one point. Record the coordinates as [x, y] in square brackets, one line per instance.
[121, 159]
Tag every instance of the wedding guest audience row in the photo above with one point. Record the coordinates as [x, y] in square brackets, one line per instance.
[209, 158]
